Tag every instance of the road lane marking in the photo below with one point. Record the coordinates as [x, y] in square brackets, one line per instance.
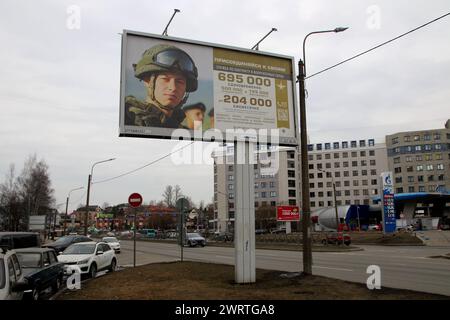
[339, 269]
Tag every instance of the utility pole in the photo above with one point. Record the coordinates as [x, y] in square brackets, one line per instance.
[306, 216]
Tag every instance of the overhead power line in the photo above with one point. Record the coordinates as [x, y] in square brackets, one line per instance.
[378, 46]
[144, 166]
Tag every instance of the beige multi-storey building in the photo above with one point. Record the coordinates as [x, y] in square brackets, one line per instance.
[420, 160]
[354, 166]
[274, 184]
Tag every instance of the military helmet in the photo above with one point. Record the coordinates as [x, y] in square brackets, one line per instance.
[162, 58]
[197, 105]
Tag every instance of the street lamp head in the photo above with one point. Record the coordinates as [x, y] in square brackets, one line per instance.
[274, 29]
[340, 29]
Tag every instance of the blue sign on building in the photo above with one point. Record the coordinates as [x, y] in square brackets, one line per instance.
[389, 221]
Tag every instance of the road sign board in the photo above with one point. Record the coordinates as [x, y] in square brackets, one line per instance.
[135, 200]
[288, 213]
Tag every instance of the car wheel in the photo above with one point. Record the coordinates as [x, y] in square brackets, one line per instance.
[57, 285]
[112, 267]
[35, 295]
[93, 271]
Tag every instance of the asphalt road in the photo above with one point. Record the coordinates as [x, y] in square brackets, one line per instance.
[404, 267]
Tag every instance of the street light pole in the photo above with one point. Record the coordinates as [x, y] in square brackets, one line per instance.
[88, 193]
[307, 243]
[68, 197]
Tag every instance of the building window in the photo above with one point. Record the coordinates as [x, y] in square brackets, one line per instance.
[336, 155]
[354, 163]
[427, 137]
[355, 183]
[395, 140]
[338, 193]
[344, 145]
[410, 179]
[329, 204]
[365, 182]
[338, 202]
[292, 202]
[336, 165]
[328, 165]
[272, 183]
[438, 156]
[310, 157]
[428, 147]
[410, 189]
[291, 184]
[320, 194]
[346, 183]
[420, 178]
[409, 169]
[319, 146]
[319, 166]
[371, 153]
[273, 194]
[440, 166]
[256, 184]
[364, 172]
[373, 182]
[320, 203]
[291, 193]
[310, 147]
[431, 178]
[346, 173]
[398, 169]
[230, 168]
[399, 190]
[365, 192]
[374, 191]
[347, 193]
[416, 138]
[230, 177]
[431, 188]
[363, 163]
[320, 185]
[311, 185]
[256, 204]
[419, 168]
[362, 143]
[356, 192]
[418, 148]
[329, 194]
[337, 174]
[345, 164]
[319, 175]
[231, 196]
[312, 194]
[373, 162]
[318, 157]
[373, 172]
[347, 202]
[311, 176]
[335, 145]
[231, 187]
[338, 184]
[313, 204]
[327, 146]
[354, 154]
[362, 153]
[419, 158]
[397, 150]
[407, 138]
[421, 188]
[429, 167]
[291, 174]
[353, 144]
[344, 154]
[371, 142]
[327, 156]
[437, 136]
[408, 159]
[397, 160]
[428, 157]
[441, 177]
[311, 166]
[398, 179]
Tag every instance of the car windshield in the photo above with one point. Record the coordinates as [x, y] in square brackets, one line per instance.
[29, 259]
[80, 249]
[63, 240]
[193, 235]
[2, 273]
[110, 239]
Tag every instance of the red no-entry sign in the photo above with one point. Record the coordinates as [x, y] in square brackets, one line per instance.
[135, 200]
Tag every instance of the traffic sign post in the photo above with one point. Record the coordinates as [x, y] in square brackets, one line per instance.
[182, 204]
[134, 200]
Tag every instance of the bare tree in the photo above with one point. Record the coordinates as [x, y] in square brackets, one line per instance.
[10, 204]
[177, 194]
[168, 196]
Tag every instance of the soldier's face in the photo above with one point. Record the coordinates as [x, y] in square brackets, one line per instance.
[170, 88]
[194, 118]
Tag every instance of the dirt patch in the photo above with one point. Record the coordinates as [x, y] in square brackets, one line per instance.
[377, 237]
[205, 281]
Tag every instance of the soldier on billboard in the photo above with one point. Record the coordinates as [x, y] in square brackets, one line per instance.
[195, 114]
[169, 74]
[211, 118]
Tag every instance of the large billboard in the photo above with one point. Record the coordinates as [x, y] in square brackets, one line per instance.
[288, 213]
[174, 87]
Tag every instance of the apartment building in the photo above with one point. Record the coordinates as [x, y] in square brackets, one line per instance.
[420, 160]
[354, 166]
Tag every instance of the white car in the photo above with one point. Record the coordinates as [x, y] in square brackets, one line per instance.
[87, 258]
[11, 276]
[113, 243]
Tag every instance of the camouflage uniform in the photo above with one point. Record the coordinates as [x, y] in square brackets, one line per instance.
[157, 59]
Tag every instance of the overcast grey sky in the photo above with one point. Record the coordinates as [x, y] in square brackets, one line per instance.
[59, 87]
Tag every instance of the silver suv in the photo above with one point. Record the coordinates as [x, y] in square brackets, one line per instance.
[11, 277]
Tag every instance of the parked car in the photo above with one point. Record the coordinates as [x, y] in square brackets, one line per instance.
[278, 230]
[336, 238]
[17, 240]
[223, 236]
[41, 271]
[113, 242]
[261, 231]
[87, 258]
[194, 239]
[11, 277]
[62, 243]
[376, 227]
